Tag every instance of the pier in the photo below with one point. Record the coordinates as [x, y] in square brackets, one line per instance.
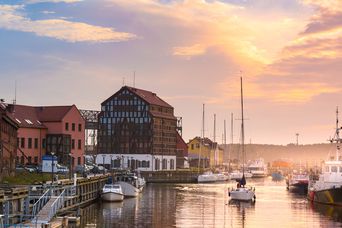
[39, 205]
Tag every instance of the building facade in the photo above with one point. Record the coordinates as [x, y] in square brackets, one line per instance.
[204, 153]
[182, 153]
[49, 129]
[8, 143]
[137, 130]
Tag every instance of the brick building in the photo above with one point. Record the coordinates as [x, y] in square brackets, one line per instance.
[46, 129]
[137, 130]
[8, 142]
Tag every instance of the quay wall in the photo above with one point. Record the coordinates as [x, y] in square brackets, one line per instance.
[170, 176]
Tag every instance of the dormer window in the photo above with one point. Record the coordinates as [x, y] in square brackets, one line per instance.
[28, 121]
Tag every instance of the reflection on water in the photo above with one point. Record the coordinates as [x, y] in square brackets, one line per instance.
[208, 205]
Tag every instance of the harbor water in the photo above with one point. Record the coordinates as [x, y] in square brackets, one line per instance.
[208, 205]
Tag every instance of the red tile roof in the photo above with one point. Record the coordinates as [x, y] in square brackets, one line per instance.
[34, 117]
[25, 116]
[52, 113]
[149, 97]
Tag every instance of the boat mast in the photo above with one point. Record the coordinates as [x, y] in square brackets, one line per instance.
[337, 137]
[201, 141]
[231, 138]
[203, 130]
[242, 131]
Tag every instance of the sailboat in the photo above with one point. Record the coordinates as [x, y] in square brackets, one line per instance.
[241, 192]
[207, 176]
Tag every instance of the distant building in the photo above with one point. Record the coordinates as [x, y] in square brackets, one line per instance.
[8, 143]
[46, 129]
[205, 152]
[137, 130]
[182, 153]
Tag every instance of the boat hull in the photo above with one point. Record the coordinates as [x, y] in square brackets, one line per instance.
[129, 190]
[204, 178]
[332, 196]
[242, 194]
[112, 197]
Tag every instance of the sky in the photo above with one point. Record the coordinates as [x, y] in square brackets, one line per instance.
[189, 52]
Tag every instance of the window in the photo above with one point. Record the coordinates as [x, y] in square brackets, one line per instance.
[22, 143]
[172, 164]
[44, 143]
[192, 146]
[78, 160]
[72, 143]
[79, 146]
[73, 126]
[79, 127]
[67, 126]
[29, 160]
[36, 159]
[35, 143]
[334, 169]
[164, 165]
[29, 143]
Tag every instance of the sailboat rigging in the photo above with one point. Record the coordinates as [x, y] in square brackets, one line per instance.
[241, 193]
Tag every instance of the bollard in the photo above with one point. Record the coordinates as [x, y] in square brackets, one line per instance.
[65, 222]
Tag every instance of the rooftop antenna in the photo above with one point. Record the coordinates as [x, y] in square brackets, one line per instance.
[134, 79]
[15, 92]
[123, 81]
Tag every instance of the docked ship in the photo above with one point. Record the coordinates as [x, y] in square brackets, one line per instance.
[328, 188]
[258, 168]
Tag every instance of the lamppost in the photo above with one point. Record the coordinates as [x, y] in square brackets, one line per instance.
[103, 162]
[52, 176]
[111, 162]
[70, 166]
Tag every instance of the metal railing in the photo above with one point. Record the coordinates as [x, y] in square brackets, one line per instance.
[41, 203]
[57, 204]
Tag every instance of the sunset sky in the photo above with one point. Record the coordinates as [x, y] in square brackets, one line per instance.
[189, 52]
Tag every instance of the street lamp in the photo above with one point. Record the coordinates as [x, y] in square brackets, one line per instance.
[103, 162]
[52, 176]
[70, 166]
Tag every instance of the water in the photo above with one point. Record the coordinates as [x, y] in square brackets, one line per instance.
[207, 205]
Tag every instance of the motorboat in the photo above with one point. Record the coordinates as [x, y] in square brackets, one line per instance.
[277, 176]
[207, 177]
[298, 180]
[221, 177]
[131, 183]
[112, 193]
[237, 175]
[258, 168]
[242, 192]
[328, 188]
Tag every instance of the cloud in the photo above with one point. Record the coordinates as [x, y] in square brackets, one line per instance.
[196, 49]
[12, 19]
[52, 1]
[236, 31]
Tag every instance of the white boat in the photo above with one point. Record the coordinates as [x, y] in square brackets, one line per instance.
[258, 168]
[237, 175]
[221, 177]
[328, 188]
[207, 177]
[112, 193]
[241, 192]
[130, 183]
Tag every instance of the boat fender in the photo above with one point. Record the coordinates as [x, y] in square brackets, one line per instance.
[228, 193]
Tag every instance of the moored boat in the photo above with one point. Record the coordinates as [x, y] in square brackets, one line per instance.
[130, 183]
[328, 188]
[298, 180]
[207, 177]
[112, 193]
[258, 168]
